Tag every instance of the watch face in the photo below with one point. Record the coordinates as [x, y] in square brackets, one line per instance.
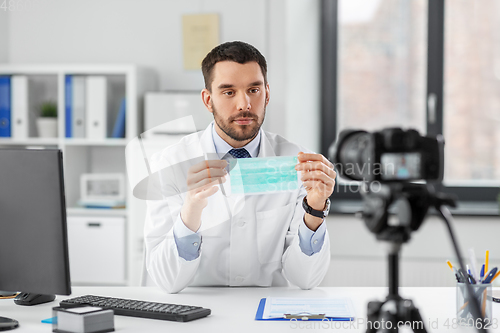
[327, 209]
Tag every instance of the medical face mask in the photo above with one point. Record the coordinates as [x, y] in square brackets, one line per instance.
[263, 175]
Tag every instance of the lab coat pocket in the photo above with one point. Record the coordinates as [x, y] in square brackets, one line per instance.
[272, 227]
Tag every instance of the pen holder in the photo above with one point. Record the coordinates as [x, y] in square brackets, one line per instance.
[482, 292]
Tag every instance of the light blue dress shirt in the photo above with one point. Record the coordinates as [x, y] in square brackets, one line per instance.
[189, 242]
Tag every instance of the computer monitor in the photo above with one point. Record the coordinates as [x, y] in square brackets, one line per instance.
[33, 235]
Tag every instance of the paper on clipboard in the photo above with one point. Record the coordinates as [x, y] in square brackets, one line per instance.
[277, 307]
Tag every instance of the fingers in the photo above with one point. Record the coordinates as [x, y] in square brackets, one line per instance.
[316, 166]
[216, 164]
[321, 188]
[317, 173]
[211, 173]
[206, 192]
[206, 183]
[206, 172]
[317, 176]
[305, 157]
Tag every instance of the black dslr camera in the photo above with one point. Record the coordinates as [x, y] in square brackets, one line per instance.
[390, 155]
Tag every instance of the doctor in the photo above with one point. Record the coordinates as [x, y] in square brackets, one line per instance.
[200, 236]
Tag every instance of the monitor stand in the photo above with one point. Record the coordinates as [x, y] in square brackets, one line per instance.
[7, 324]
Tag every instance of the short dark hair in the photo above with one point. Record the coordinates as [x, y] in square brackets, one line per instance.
[236, 51]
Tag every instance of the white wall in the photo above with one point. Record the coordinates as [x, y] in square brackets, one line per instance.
[302, 71]
[355, 250]
[4, 33]
[148, 33]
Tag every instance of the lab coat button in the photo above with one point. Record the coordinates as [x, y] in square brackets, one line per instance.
[315, 241]
[195, 244]
[242, 223]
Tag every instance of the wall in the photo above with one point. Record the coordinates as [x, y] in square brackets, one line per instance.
[4, 33]
[148, 33]
[302, 72]
[423, 259]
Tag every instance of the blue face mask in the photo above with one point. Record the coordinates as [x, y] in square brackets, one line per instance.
[263, 175]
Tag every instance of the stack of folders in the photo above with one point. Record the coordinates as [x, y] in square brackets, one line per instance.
[86, 108]
[84, 319]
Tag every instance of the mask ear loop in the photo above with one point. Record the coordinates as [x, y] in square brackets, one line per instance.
[208, 168]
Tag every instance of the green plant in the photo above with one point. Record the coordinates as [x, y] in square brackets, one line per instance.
[48, 110]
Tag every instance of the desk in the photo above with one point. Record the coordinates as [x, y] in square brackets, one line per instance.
[233, 309]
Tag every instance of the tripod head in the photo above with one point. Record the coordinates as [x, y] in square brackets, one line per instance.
[411, 203]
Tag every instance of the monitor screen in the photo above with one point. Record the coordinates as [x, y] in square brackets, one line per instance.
[33, 246]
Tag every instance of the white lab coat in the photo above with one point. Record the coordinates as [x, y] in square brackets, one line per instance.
[246, 241]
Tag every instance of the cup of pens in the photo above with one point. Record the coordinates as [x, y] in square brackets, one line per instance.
[482, 293]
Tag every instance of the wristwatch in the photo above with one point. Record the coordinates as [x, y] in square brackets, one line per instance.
[318, 213]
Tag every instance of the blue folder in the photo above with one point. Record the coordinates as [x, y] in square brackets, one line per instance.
[262, 305]
[5, 106]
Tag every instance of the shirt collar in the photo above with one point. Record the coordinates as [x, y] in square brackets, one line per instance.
[222, 147]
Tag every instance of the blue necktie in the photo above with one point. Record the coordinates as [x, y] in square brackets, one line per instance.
[239, 153]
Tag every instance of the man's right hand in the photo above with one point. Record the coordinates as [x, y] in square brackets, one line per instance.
[202, 179]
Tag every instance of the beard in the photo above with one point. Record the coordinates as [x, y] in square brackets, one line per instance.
[235, 131]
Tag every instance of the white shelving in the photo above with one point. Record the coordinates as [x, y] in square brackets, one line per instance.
[82, 155]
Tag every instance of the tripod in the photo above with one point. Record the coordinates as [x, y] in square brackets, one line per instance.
[412, 202]
[385, 316]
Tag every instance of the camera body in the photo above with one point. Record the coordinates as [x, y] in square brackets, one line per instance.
[389, 155]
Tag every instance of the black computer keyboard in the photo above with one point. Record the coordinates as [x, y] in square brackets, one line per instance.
[135, 308]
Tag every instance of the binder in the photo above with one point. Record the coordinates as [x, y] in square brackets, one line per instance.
[5, 105]
[309, 316]
[19, 103]
[78, 106]
[119, 127]
[68, 101]
[96, 105]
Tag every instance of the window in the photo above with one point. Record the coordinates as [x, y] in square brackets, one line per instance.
[472, 92]
[433, 65]
[381, 64]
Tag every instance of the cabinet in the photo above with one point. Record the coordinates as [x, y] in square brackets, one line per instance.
[96, 247]
[85, 155]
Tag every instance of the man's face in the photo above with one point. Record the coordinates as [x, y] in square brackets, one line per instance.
[238, 100]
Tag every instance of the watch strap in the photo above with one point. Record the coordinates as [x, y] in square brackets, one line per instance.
[317, 213]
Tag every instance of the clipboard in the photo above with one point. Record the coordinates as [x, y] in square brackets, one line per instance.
[302, 317]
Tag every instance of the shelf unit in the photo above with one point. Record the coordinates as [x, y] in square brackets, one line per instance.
[83, 155]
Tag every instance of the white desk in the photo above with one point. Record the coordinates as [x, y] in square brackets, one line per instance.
[233, 309]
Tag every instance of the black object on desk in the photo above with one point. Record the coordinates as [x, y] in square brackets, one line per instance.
[142, 309]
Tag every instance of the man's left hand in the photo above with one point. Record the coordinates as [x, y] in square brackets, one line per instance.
[318, 178]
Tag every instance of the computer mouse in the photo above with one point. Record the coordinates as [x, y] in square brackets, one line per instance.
[33, 299]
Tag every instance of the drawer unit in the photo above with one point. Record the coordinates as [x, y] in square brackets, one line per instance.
[97, 250]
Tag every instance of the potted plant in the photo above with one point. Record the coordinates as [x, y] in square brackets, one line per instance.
[47, 122]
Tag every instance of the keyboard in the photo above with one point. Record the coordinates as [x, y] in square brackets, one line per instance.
[142, 309]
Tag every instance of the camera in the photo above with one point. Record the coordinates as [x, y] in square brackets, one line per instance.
[389, 155]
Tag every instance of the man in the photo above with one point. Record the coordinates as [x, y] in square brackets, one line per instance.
[199, 235]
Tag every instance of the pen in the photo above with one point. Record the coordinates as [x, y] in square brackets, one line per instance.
[490, 276]
[457, 274]
[471, 279]
[486, 261]
[449, 264]
[473, 262]
[481, 275]
[496, 275]
[462, 277]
